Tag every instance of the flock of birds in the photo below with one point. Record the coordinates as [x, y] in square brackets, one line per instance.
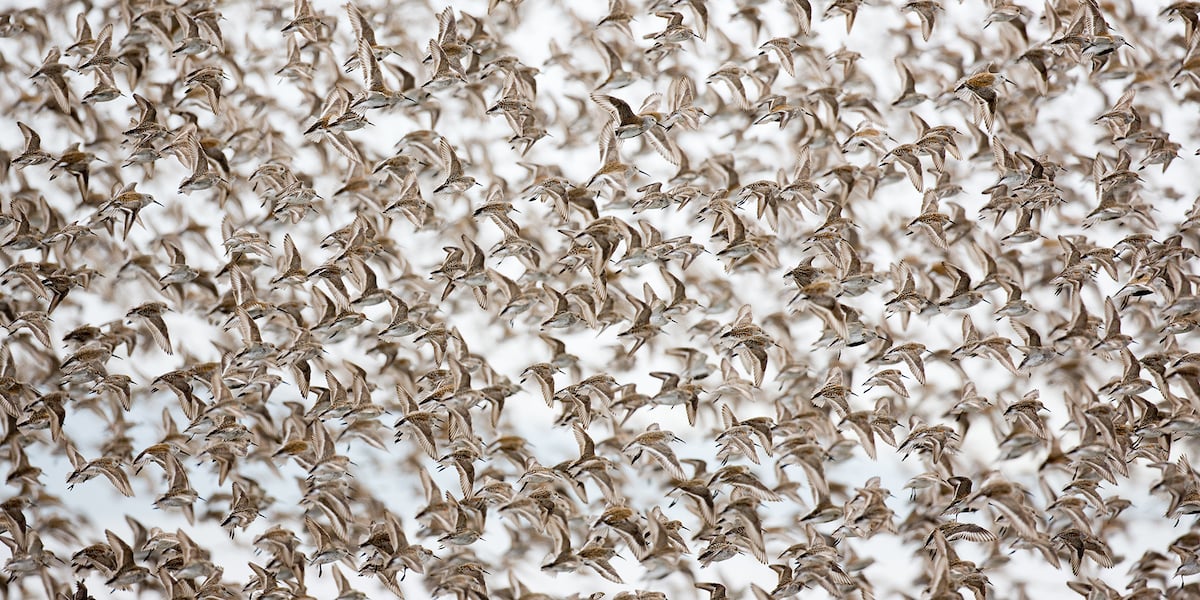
[916, 276]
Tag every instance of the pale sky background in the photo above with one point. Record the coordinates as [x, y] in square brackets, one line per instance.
[1070, 116]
